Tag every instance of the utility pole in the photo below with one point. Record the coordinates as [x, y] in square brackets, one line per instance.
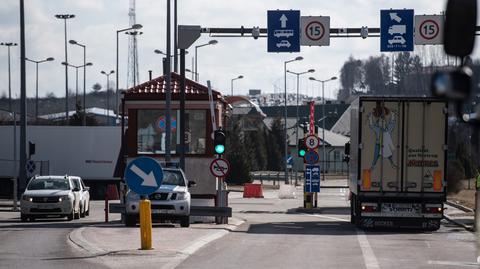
[23, 103]
[168, 88]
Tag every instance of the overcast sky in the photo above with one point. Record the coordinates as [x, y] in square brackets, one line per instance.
[96, 23]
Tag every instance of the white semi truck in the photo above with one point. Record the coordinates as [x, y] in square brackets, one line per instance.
[398, 162]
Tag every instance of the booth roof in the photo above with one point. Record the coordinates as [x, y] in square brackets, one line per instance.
[157, 87]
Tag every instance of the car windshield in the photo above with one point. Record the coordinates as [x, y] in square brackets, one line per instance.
[173, 178]
[48, 184]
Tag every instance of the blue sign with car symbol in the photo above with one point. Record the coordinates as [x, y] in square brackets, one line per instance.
[396, 30]
[283, 30]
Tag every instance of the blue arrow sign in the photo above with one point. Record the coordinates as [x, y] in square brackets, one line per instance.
[312, 178]
[144, 175]
[283, 30]
[396, 30]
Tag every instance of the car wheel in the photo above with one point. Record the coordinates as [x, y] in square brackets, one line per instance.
[185, 222]
[31, 219]
[130, 220]
[23, 218]
[82, 212]
[87, 213]
[71, 216]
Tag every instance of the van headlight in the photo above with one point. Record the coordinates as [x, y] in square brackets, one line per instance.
[64, 198]
[27, 198]
[182, 196]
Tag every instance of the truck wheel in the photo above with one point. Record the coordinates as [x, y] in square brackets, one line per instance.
[23, 218]
[352, 206]
[130, 220]
[185, 222]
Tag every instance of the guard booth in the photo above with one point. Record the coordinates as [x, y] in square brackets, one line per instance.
[143, 122]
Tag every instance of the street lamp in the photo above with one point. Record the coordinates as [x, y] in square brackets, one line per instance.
[157, 51]
[134, 27]
[231, 84]
[296, 121]
[323, 123]
[211, 42]
[108, 86]
[8, 45]
[299, 58]
[76, 79]
[84, 118]
[49, 59]
[190, 71]
[65, 17]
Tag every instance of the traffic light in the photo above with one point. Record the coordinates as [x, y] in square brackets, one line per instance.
[219, 138]
[302, 149]
[31, 149]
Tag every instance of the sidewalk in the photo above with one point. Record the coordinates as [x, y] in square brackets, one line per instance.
[460, 215]
[115, 245]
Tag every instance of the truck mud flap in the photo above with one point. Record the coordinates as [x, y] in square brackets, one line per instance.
[393, 223]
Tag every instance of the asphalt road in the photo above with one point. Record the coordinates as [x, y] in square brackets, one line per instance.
[43, 243]
[272, 238]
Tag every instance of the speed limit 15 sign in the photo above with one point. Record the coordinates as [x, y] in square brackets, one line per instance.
[428, 29]
[315, 31]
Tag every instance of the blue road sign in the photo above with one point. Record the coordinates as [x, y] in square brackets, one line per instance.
[312, 178]
[143, 175]
[289, 159]
[283, 30]
[396, 30]
[311, 157]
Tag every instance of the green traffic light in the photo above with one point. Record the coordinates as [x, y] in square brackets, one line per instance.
[219, 149]
[301, 152]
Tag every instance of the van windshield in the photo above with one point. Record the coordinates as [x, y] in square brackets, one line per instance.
[173, 178]
[48, 184]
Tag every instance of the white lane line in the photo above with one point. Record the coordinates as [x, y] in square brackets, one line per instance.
[452, 263]
[325, 217]
[367, 251]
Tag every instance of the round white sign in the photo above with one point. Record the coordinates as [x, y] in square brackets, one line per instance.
[312, 142]
[220, 167]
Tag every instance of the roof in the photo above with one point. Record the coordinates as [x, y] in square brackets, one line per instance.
[342, 126]
[97, 111]
[332, 139]
[155, 88]
[244, 106]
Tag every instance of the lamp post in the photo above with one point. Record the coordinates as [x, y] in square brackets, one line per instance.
[323, 123]
[76, 79]
[8, 45]
[108, 86]
[134, 27]
[84, 118]
[49, 59]
[296, 121]
[299, 58]
[231, 84]
[65, 17]
[211, 42]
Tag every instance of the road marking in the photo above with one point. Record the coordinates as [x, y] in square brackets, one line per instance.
[367, 251]
[452, 263]
[326, 217]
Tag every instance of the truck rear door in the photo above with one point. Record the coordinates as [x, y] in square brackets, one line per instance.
[424, 151]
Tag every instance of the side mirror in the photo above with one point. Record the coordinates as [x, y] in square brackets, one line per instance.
[192, 183]
[460, 24]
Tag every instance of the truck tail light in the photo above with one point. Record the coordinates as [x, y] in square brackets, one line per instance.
[367, 179]
[369, 207]
[437, 180]
[433, 208]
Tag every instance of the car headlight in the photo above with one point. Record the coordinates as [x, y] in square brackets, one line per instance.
[64, 198]
[27, 198]
[182, 196]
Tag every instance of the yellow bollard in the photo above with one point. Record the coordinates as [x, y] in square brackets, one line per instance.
[145, 224]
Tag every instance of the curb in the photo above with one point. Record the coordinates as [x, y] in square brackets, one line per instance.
[459, 206]
[466, 227]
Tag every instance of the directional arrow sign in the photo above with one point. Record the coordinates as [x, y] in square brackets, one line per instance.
[395, 17]
[143, 175]
[283, 21]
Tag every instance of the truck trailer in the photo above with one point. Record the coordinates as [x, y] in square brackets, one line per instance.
[398, 162]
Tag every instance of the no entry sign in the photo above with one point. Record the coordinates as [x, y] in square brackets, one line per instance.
[220, 167]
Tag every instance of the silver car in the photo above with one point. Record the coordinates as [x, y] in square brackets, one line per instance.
[56, 196]
[171, 201]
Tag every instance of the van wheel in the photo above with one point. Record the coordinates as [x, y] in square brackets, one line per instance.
[185, 222]
[130, 220]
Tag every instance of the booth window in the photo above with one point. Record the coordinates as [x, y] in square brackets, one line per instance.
[151, 131]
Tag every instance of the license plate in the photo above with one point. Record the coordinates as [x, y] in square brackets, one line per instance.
[161, 211]
[45, 206]
[401, 210]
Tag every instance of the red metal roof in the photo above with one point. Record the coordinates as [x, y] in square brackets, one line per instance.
[156, 88]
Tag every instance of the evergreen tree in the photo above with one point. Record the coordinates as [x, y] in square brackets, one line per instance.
[238, 156]
[276, 140]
